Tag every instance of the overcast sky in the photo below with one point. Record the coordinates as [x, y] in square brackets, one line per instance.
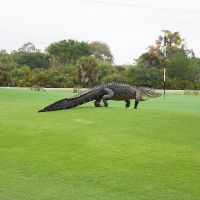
[127, 26]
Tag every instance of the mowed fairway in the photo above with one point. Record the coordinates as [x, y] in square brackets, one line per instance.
[88, 153]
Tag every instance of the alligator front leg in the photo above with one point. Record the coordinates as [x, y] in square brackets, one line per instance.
[128, 102]
[109, 94]
[137, 99]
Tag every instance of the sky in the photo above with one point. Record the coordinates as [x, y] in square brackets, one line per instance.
[127, 26]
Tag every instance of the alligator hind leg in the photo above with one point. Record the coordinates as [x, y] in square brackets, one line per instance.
[105, 102]
[109, 94]
[127, 103]
[137, 99]
[97, 103]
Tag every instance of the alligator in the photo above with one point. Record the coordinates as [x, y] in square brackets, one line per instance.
[110, 91]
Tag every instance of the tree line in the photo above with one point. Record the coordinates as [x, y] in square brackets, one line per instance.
[71, 63]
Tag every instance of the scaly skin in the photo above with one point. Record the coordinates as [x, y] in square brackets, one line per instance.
[110, 91]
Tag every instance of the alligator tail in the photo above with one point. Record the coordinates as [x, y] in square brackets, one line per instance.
[67, 103]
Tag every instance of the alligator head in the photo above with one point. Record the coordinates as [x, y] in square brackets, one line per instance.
[147, 93]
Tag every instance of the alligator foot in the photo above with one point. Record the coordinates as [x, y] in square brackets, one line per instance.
[105, 103]
[127, 103]
[136, 104]
[97, 103]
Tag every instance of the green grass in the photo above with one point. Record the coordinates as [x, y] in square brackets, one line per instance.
[88, 153]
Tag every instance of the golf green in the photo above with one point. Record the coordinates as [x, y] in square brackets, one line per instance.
[88, 153]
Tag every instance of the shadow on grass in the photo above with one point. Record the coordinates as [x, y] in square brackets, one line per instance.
[86, 108]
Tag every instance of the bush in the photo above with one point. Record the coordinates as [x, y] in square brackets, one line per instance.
[37, 88]
[77, 89]
[115, 78]
[178, 84]
[191, 92]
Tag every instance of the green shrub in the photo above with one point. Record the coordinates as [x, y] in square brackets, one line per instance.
[37, 88]
[77, 89]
